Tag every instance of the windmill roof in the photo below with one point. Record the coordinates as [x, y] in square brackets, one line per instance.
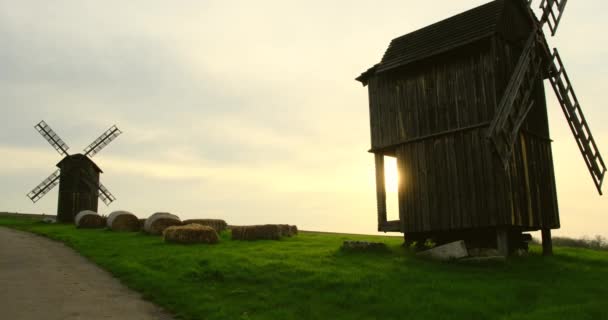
[437, 38]
[79, 157]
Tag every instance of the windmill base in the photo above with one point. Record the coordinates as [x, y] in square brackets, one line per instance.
[507, 240]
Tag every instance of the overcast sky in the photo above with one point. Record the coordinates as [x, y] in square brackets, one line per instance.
[243, 110]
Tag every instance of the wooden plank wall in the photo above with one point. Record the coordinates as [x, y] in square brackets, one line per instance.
[452, 91]
[455, 181]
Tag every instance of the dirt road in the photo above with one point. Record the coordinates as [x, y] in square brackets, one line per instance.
[43, 279]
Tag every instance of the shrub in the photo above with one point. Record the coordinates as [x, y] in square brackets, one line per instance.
[596, 243]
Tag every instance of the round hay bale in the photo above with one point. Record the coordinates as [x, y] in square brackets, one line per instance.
[89, 219]
[191, 233]
[158, 222]
[294, 230]
[218, 224]
[123, 221]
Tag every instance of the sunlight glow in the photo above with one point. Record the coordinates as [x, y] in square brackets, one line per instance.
[391, 175]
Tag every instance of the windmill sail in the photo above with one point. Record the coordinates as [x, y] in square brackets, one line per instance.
[44, 187]
[516, 103]
[102, 141]
[549, 15]
[576, 120]
[52, 137]
[105, 195]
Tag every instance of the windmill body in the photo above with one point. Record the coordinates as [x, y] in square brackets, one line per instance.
[78, 186]
[77, 176]
[461, 105]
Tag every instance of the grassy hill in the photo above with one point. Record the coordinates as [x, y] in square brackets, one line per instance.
[308, 277]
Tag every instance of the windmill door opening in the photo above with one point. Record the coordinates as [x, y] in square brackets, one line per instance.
[391, 184]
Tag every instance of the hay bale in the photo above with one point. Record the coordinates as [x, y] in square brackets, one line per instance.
[294, 230]
[218, 224]
[285, 230]
[89, 219]
[191, 233]
[123, 221]
[259, 232]
[159, 221]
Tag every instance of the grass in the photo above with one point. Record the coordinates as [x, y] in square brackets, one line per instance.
[308, 277]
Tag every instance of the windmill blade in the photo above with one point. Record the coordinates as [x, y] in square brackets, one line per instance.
[52, 137]
[515, 102]
[102, 141]
[576, 120]
[103, 193]
[549, 13]
[44, 187]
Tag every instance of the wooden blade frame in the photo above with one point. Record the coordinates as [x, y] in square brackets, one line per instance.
[105, 195]
[102, 141]
[52, 137]
[576, 120]
[549, 14]
[516, 101]
[44, 187]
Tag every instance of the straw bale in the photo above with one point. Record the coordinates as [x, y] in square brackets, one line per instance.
[191, 233]
[285, 230]
[123, 221]
[159, 221]
[89, 219]
[258, 232]
[218, 224]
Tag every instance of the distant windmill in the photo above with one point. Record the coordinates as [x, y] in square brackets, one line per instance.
[77, 176]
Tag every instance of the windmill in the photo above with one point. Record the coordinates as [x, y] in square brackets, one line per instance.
[77, 176]
[461, 105]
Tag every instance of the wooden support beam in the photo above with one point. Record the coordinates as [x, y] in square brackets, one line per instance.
[380, 191]
[502, 241]
[547, 243]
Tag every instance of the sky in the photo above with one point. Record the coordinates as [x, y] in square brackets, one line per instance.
[243, 110]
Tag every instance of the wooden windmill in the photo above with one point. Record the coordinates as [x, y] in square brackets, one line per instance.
[461, 105]
[77, 176]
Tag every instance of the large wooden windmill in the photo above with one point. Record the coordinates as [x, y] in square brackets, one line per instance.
[461, 105]
[77, 176]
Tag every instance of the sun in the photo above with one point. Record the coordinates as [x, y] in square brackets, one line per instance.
[391, 175]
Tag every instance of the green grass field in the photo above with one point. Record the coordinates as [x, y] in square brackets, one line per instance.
[308, 277]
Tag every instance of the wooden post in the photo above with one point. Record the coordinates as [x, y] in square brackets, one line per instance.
[547, 243]
[502, 242]
[380, 190]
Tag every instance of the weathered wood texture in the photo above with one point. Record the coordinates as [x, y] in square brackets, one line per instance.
[433, 117]
[547, 242]
[78, 189]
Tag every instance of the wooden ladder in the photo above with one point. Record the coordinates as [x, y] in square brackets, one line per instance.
[516, 101]
[576, 120]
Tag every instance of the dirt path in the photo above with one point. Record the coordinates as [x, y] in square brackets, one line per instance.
[44, 279]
